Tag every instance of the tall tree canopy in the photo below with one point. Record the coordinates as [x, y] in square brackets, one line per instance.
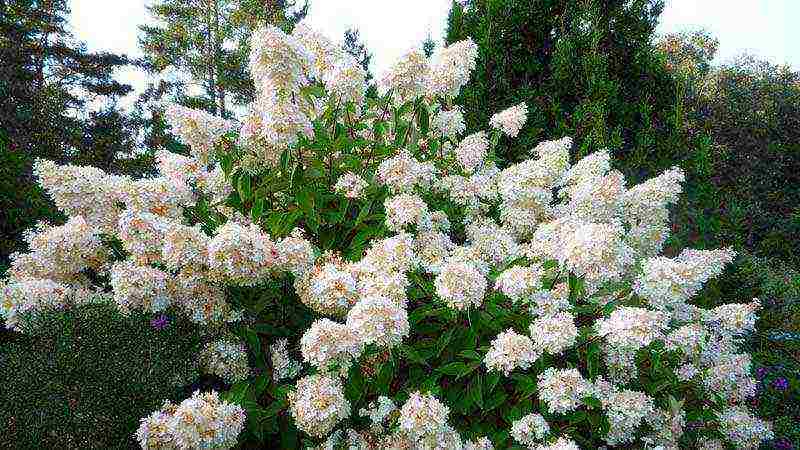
[585, 68]
[206, 42]
[48, 80]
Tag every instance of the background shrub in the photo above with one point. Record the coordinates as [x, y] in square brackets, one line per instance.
[82, 378]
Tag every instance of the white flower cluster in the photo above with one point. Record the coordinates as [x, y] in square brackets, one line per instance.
[563, 390]
[350, 185]
[530, 429]
[472, 150]
[461, 285]
[406, 210]
[59, 253]
[197, 129]
[283, 366]
[33, 296]
[743, 429]
[450, 68]
[83, 191]
[201, 421]
[449, 123]
[328, 344]
[667, 283]
[510, 351]
[626, 411]
[318, 404]
[227, 359]
[511, 120]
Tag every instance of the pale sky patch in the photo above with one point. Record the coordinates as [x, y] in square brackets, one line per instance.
[390, 27]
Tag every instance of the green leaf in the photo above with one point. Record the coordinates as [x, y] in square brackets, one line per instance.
[257, 210]
[453, 369]
[470, 354]
[423, 118]
[593, 360]
[237, 393]
[261, 384]
[385, 376]
[363, 213]
[444, 339]
[245, 188]
[475, 390]
[413, 355]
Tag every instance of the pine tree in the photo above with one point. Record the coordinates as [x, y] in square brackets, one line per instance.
[352, 44]
[47, 79]
[206, 42]
[428, 45]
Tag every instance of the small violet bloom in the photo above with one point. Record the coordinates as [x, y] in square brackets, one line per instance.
[160, 322]
[781, 384]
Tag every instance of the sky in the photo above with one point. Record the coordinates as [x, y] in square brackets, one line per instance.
[389, 27]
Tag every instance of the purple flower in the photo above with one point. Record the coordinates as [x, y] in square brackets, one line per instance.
[761, 372]
[783, 444]
[781, 384]
[160, 322]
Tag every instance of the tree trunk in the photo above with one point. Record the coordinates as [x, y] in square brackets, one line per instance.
[218, 60]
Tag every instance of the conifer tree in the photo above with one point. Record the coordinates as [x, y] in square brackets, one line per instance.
[206, 43]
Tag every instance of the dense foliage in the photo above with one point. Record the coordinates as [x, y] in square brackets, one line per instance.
[585, 69]
[439, 296]
[83, 377]
[748, 111]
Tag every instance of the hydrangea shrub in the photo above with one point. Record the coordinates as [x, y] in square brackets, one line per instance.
[395, 284]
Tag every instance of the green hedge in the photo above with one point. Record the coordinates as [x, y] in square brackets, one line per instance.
[82, 378]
